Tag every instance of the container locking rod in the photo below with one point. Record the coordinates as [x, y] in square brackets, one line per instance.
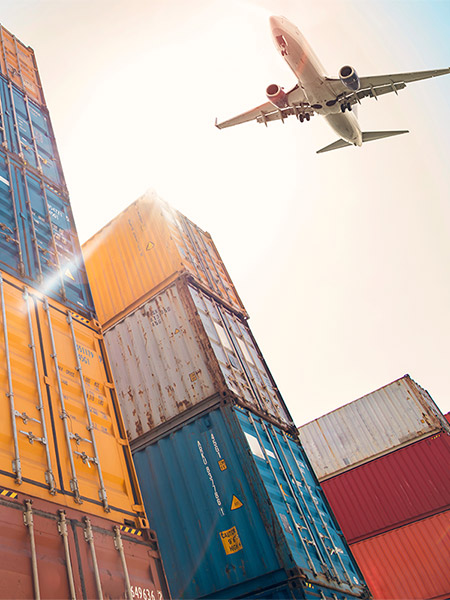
[28, 520]
[62, 528]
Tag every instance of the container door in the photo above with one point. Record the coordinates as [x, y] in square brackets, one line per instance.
[313, 536]
[11, 236]
[238, 357]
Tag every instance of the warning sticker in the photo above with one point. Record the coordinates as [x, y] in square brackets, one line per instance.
[149, 246]
[231, 541]
[222, 465]
[235, 503]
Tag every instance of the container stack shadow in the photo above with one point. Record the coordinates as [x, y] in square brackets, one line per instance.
[226, 483]
[72, 519]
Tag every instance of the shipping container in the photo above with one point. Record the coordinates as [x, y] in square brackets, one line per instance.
[144, 249]
[50, 553]
[38, 239]
[410, 562]
[181, 348]
[61, 433]
[18, 63]
[27, 133]
[238, 511]
[392, 490]
[391, 417]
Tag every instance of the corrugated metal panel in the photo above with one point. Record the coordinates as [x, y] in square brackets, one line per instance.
[237, 510]
[26, 131]
[144, 248]
[408, 563]
[17, 63]
[393, 416]
[61, 433]
[181, 348]
[53, 581]
[38, 239]
[392, 490]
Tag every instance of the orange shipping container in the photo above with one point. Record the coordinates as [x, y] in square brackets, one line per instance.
[61, 432]
[18, 64]
[146, 248]
[410, 562]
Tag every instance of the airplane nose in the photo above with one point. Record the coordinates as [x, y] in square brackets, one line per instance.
[275, 22]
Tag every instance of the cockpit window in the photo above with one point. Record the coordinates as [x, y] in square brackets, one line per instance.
[282, 43]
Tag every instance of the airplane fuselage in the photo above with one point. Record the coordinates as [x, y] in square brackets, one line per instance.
[300, 57]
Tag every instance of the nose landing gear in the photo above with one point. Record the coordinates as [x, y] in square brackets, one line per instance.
[346, 106]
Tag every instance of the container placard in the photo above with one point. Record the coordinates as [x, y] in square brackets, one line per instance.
[231, 540]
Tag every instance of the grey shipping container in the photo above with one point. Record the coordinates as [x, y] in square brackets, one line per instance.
[181, 348]
[394, 416]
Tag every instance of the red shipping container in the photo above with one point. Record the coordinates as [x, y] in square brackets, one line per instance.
[408, 563]
[53, 551]
[447, 416]
[393, 490]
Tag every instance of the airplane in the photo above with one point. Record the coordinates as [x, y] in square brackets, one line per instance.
[332, 98]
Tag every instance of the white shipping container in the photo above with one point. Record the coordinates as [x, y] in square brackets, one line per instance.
[394, 416]
[183, 347]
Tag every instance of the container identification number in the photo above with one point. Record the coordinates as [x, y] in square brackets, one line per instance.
[145, 593]
[211, 478]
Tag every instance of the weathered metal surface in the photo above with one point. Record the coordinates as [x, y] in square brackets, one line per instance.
[391, 417]
[238, 510]
[64, 566]
[408, 563]
[18, 64]
[181, 348]
[392, 490]
[145, 248]
[61, 432]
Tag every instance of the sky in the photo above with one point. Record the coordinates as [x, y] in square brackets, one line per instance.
[341, 259]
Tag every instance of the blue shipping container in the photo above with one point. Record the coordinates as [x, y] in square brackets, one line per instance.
[27, 133]
[239, 513]
[38, 240]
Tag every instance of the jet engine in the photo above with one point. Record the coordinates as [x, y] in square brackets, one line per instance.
[349, 78]
[277, 96]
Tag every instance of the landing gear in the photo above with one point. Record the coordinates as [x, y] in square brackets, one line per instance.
[303, 116]
[346, 106]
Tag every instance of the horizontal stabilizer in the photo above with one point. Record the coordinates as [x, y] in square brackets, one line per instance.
[334, 146]
[367, 136]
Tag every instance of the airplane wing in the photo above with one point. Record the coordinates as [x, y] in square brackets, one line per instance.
[376, 85]
[297, 105]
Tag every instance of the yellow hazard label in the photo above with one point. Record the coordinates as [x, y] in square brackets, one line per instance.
[236, 503]
[149, 246]
[231, 540]
[222, 465]
[69, 274]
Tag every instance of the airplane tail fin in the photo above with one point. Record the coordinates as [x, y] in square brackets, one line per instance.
[367, 136]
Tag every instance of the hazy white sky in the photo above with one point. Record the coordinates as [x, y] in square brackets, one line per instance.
[342, 259]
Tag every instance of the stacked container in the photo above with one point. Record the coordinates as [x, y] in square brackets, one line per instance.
[384, 464]
[226, 484]
[72, 517]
